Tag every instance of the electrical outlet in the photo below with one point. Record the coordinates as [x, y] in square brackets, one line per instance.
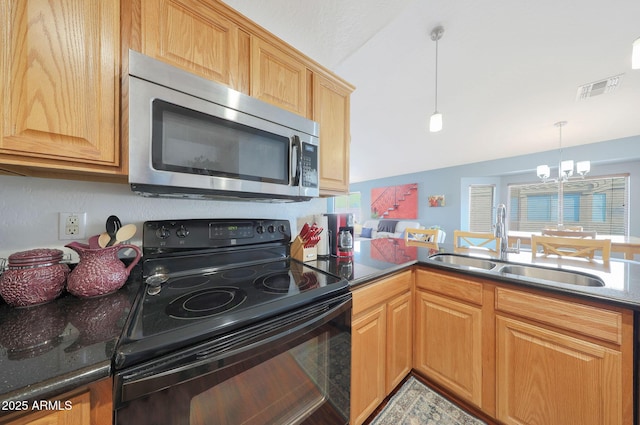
[72, 225]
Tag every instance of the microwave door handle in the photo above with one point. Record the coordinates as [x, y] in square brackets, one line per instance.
[296, 161]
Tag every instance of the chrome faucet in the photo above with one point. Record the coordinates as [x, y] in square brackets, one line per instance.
[502, 232]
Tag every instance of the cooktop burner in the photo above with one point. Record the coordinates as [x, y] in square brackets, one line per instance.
[210, 277]
[284, 283]
[188, 282]
[206, 302]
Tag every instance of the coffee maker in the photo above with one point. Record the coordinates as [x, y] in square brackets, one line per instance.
[340, 232]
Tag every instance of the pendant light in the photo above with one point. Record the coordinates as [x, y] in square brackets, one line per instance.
[435, 123]
[635, 55]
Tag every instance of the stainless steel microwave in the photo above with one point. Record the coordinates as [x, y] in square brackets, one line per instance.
[191, 137]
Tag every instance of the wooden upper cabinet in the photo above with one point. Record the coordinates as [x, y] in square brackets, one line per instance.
[193, 35]
[60, 84]
[210, 39]
[331, 109]
[278, 77]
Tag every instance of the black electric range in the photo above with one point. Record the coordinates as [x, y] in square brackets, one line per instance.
[205, 278]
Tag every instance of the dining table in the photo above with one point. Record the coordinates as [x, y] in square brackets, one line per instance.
[629, 246]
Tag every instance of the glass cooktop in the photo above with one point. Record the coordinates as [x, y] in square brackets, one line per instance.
[194, 307]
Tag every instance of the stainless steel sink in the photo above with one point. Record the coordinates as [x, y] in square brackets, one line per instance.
[458, 260]
[573, 278]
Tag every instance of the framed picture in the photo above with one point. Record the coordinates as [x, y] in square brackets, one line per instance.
[436, 201]
[399, 201]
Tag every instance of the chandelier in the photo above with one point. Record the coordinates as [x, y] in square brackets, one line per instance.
[565, 168]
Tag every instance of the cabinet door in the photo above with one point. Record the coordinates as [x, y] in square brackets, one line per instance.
[331, 109]
[74, 410]
[399, 340]
[368, 336]
[448, 344]
[91, 405]
[192, 35]
[278, 78]
[548, 378]
[60, 83]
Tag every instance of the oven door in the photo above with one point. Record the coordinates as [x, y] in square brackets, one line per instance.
[292, 369]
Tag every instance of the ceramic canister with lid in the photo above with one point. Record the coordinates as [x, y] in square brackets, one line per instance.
[33, 277]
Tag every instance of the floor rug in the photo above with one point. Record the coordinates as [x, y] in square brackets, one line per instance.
[416, 404]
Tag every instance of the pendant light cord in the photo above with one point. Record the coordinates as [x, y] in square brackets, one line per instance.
[436, 35]
[436, 91]
[560, 124]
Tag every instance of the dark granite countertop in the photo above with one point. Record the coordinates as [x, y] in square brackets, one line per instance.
[375, 258]
[53, 348]
[50, 349]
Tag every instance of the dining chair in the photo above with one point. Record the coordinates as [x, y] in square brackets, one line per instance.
[570, 233]
[570, 247]
[463, 240]
[426, 236]
[575, 228]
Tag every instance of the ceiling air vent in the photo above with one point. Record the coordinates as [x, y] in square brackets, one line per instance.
[599, 87]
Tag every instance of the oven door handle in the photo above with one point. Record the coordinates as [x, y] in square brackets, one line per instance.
[175, 369]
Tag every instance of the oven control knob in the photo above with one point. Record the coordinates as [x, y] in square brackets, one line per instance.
[163, 233]
[182, 232]
[271, 228]
[282, 228]
[260, 229]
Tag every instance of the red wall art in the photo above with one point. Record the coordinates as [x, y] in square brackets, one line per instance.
[395, 201]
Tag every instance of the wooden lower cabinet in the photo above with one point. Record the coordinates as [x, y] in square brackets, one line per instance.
[524, 356]
[560, 362]
[88, 405]
[546, 377]
[381, 342]
[368, 346]
[399, 351]
[449, 340]
[448, 344]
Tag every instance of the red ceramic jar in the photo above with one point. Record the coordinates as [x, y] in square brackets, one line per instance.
[33, 277]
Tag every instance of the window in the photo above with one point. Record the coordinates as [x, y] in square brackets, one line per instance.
[348, 204]
[598, 204]
[481, 207]
[598, 210]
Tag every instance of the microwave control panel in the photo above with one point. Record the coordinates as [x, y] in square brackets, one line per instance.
[309, 165]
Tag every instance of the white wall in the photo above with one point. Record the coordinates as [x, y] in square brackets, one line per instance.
[29, 210]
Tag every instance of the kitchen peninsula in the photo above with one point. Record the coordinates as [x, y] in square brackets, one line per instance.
[417, 299]
[507, 347]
